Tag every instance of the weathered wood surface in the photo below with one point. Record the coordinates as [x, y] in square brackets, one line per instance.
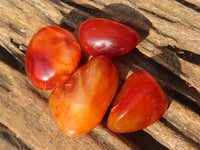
[169, 50]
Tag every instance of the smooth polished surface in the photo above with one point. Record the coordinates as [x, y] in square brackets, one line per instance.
[80, 104]
[140, 102]
[105, 37]
[52, 55]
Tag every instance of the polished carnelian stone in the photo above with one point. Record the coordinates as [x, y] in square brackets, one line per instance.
[52, 55]
[105, 37]
[140, 102]
[80, 104]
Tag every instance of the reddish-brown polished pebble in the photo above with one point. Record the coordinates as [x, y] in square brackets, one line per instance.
[52, 55]
[105, 37]
[140, 102]
[80, 104]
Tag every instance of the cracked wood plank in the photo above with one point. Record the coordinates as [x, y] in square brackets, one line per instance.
[169, 51]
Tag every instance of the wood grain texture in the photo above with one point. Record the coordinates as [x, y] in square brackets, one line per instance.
[169, 50]
[174, 37]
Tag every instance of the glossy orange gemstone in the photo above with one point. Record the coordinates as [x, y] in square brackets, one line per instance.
[52, 55]
[140, 102]
[80, 104]
[105, 37]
